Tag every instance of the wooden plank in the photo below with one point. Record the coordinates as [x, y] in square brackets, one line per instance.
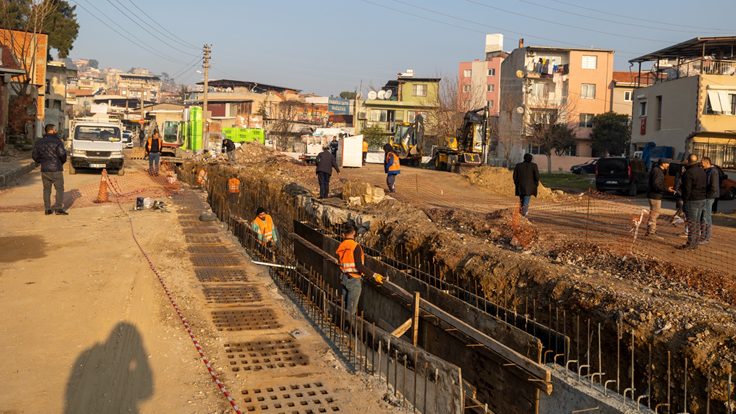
[402, 329]
[538, 371]
[415, 331]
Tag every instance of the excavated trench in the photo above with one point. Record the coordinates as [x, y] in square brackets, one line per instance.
[572, 291]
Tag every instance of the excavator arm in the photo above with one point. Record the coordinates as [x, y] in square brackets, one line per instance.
[410, 141]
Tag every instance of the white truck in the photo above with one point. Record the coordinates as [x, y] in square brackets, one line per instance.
[96, 144]
[320, 138]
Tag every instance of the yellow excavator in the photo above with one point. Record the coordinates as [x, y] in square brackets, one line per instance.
[408, 139]
[466, 148]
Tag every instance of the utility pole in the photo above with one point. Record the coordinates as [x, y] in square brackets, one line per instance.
[206, 66]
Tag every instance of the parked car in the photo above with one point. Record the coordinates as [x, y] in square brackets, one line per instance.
[628, 175]
[728, 186]
[128, 139]
[585, 168]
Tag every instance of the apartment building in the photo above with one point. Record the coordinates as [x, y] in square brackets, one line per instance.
[622, 89]
[693, 106]
[57, 75]
[551, 84]
[479, 81]
[400, 100]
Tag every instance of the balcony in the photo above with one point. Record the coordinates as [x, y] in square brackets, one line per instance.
[699, 67]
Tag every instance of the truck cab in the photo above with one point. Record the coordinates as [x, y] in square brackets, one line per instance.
[96, 145]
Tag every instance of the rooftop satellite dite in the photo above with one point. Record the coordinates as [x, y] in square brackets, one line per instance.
[372, 95]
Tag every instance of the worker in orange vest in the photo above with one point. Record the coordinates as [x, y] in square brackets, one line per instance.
[365, 150]
[391, 166]
[352, 267]
[202, 177]
[233, 187]
[263, 226]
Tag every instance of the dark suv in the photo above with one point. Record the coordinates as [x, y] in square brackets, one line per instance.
[629, 175]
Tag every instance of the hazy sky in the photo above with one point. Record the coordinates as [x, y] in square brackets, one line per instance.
[328, 46]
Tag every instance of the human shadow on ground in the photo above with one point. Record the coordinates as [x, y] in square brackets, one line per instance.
[111, 377]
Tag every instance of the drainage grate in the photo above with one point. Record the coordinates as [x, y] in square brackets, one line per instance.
[210, 250]
[245, 320]
[203, 230]
[195, 239]
[221, 275]
[231, 294]
[220, 260]
[297, 398]
[260, 355]
[197, 223]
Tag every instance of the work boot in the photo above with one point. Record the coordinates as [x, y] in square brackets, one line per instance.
[49, 212]
[61, 212]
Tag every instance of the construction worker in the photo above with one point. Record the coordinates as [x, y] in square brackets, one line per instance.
[263, 226]
[202, 178]
[391, 166]
[233, 187]
[153, 150]
[352, 267]
[365, 150]
[228, 146]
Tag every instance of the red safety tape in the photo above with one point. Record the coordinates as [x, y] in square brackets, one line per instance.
[178, 312]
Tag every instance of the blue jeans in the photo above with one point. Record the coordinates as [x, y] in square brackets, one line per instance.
[351, 289]
[693, 212]
[706, 220]
[525, 199]
[153, 158]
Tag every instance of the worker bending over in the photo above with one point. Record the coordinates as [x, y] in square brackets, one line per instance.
[352, 266]
[263, 226]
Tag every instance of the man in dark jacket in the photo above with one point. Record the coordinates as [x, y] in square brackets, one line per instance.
[50, 153]
[333, 147]
[712, 192]
[229, 147]
[325, 163]
[693, 195]
[654, 194]
[526, 180]
[154, 145]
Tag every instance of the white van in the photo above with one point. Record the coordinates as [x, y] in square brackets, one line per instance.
[96, 145]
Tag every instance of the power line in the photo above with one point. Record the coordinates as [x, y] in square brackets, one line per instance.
[150, 49]
[142, 27]
[284, 73]
[175, 37]
[642, 20]
[606, 20]
[191, 64]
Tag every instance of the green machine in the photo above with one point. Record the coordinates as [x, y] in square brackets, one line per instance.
[245, 135]
[194, 128]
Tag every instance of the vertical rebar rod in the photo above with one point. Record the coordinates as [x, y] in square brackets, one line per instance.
[618, 358]
[669, 402]
[416, 368]
[685, 400]
[600, 357]
[396, 373]
[373, 349]
[632, 365]
[403, 387]
[426, 379]
[436, 381]
[707, 400]
[649, 378]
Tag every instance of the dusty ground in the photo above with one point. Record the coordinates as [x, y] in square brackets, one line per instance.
[86, 325]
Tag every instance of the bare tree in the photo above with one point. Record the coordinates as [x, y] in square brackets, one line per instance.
[285, 116]
[454, 99]
[549, 126]
[506, 128]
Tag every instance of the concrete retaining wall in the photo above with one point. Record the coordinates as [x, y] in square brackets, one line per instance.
[11, 175]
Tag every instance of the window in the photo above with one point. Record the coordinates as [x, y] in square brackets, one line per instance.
[733, 104]
[642, 109]
[413, 114]
[378, 115]
[533, 149]
[627, 96]
[586, 120]
[466, 104]
[587, 91]
[466, 88]
[419, 90]
[571, 151]
[491, 88]
[720, 102]
[590, 62]
[659, 107]
[540, 90]
[490, 103]
[467, 73]
[491, 72]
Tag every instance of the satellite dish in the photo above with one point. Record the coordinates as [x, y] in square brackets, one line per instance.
[389, 93]
[519, 110]
[372, 95]
[519, 74]
[381, 94]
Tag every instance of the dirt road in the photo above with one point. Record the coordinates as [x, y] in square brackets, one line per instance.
[86, 326]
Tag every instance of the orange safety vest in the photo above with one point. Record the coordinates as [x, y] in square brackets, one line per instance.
[365, 146]
[266, 229]
[395, 165]
[202, 178]
[233, 185]
[150, 144]
[346, 252]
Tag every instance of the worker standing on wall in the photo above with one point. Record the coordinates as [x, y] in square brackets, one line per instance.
[352, 267]
[391, 166]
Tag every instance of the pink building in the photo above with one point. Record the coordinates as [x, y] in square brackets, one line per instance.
[479, 81]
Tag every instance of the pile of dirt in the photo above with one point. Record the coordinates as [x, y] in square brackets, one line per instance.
[501, 181]
[253, 152]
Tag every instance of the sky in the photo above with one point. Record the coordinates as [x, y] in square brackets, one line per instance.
[328, 46]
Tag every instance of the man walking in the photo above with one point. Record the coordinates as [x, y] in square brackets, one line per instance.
[526, 180]
[365, 150]
[391, 166]
[654, 194]
[712, 192]
[693, 195]
[325, 163]
[50, 153]
[352, 267]
[228, 146]
[153, 150]
[333, 147]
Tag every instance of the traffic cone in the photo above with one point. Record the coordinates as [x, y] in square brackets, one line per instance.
[102, 194]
